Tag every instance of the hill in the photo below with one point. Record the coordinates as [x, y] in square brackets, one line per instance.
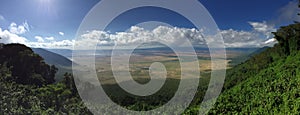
[266, 83]
[53, 58]
[243, 54]
[62, 63]
[27, 85]
[63, 52]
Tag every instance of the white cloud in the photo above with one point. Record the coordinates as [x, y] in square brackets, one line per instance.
[39, 38]
[61, 33]
[12, 36]
[261, 33]
[49, 38]
[42, 39]
[271, 41]
[259, 36]
[64, 44]
[18, 29]
[260, 27]
[233, 38]
[263, 28]
[136, 35]
[8, 37]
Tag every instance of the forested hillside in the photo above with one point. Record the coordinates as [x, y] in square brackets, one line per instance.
[268, 82]
[27, 85]
[62, 63]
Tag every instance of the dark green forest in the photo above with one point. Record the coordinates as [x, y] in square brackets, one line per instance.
[27, 85]
[268, 82]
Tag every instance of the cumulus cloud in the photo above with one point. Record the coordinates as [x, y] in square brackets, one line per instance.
[50, 43]
[137, 35]
[39, 39]
[12, 35]
[61, 33]
[261, 27]
[257, 37]
[18, 29]
[264, 28]
[64, 44]
[8, 37]
[234, 38]
[42, 39]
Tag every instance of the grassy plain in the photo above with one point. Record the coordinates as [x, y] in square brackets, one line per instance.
[139, 64]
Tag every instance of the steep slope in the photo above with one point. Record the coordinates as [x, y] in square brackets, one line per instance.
[268, 82]
[244, 54]
[53, 58]
[62, 63]
[258, 51]
[26, 66]
[27, 85]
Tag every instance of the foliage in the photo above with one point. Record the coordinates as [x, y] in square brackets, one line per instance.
[268, 82]
[26, 66]
[27, 85]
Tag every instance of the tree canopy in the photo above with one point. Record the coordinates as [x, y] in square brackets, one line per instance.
[26, 66]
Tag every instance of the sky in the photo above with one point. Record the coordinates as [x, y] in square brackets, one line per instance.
[54, 23]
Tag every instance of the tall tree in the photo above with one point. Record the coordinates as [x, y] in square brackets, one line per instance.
[26, 66]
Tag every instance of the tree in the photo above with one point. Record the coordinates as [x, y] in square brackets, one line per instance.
[70, 83]
[26, 66]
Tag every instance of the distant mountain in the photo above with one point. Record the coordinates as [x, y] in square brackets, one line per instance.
[258, 51]
[242, 54]
[243, 49]
[53, 58]
[62, 63]
[64, 52]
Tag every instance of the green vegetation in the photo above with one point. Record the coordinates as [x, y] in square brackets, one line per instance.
[63, 64]
[26, 67]
[265, 83]
[27, 85]
[268, 82]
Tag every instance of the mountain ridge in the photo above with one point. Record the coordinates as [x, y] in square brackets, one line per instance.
[53, 58]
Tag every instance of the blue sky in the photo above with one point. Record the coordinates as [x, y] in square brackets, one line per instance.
[46, 17]
[236, 13]
[58, 20]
